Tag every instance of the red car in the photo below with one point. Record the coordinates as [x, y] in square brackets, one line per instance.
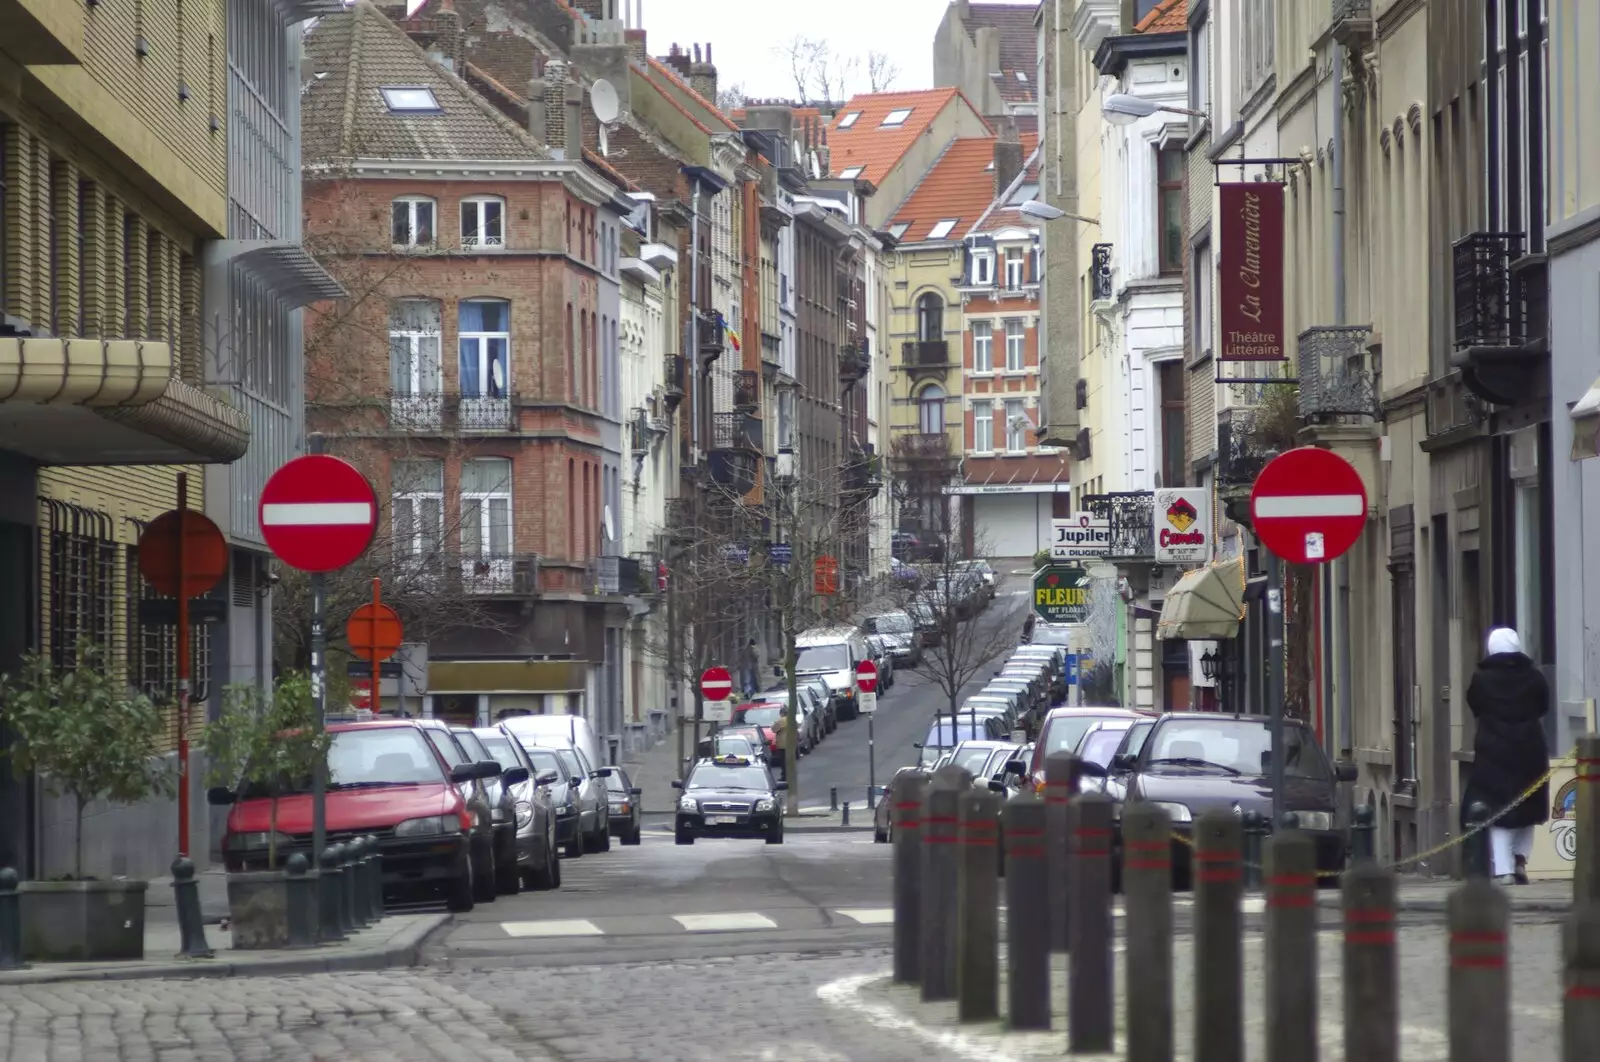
[384, 779]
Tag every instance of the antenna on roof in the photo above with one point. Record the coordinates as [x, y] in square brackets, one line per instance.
[603, 101]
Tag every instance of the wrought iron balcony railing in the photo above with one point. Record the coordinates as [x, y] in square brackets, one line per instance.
[1337, 374]
[855, 360]
[1240, 456]
[922, 446]
[1100, 271]
[677, 379]
[1501, 296]
[736, 431]
[925, 352]
[863, 474]
[1452, 407]
[746, 390]
[448, 412]
[470, 574]
[709, 336]
[1131, 516]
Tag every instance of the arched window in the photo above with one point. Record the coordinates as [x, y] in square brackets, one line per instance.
[930, 317]
[930, 410]
[483, 221]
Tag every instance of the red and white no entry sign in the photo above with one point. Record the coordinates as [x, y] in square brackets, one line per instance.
[1309, 505]
[318, 513]
[716, 684]
[867, 676]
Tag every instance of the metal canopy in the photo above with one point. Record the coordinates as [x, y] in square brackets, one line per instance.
[294, 276]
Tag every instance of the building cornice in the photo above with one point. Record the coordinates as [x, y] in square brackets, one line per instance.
[1094, 21]
[1115, 53]
[576, 176]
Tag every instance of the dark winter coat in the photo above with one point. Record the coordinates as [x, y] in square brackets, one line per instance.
[1509, 698]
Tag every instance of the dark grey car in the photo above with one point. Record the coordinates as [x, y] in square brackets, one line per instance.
[485, 872]
[564, 798]
[623, 796]
[537, 860]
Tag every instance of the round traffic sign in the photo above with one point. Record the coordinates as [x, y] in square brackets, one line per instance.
[374, 630]
[716, 684]
[1308, 505]
[205, 553]
[318, 513]
[867, 676]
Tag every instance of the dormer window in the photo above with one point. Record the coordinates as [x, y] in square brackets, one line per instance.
[411, 221]
[852, 173]
[942, 229]
[483, 221]
[1015, 268]
[848, 120]
[982, 269]
[408, 99]
[896, 118]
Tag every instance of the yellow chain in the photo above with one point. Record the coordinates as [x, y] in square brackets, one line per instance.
[1436, 849]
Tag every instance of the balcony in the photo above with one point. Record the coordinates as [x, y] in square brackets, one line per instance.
[926, 356]
[855, 360]
[1240, 454]
[862, 475]
[1131, 516]
[1453, 413]
[676, 381]
[451, 412]
[1501, 317]
[1352, 22]
[746, 390]
[709, 335]
[735, 457]
[736, 431]
[771, 349]
[615, 576]
[921, 447]
[1100, 272]
[471, 574]
[1337, 375]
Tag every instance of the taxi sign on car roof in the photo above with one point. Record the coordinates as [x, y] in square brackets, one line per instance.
[732, 759]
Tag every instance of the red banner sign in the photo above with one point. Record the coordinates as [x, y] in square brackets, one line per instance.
[1250, 293]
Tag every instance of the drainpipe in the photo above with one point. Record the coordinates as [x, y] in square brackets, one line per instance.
[1340, 633]
[690, 347]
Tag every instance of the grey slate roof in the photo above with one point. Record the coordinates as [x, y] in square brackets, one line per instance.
[354, 54]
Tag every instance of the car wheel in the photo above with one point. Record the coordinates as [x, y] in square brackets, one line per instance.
[485, 879]
[509, 879]
[682, 837]
[554, 877]
[880, 836]
[776, 838]
[574, 847]
[461, 895]
[605, 839]
[632, 836]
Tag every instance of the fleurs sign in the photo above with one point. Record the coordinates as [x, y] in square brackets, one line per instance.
[1061, 594]
[1250, 292]
[1182, 525]
[1079, 537]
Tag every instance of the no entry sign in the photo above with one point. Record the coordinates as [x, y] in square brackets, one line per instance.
[318, 513]
[1309, 505]
[867, 676]
[716, 684]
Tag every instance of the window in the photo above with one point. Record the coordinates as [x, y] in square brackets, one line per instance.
[411, 221]
[982, 269]
[930, 318]
[1022, 77]
[852, 173]
[982, 346]
[1169, 378]
[848, 120]
[896, 118]
[942, 229]
[982, 427]
[1015, 338]
[486, 507]
[1200, 301]
[930, 410]
[410, 100]
[483, 222]
[898, 229]
[1169, 209]
[1016, 270]
[414, 376]
[485, 338]
[1017, 425]
[417, 491]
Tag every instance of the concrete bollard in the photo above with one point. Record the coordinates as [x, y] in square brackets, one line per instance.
[1480, 988]
[352, 884]
[939, 871]
[1371, 965]
[10, 922]
[1027, 949]
[364, 881]
[844, 815]
[330, 895]
[1061, 772]
[1586, 871]
[1475, 861]
[1147, 897]
[833, 798]
[909, 790]
[191, 923]
[1580, 1017]
[1218, 939]
[1291, 947]
[300, 902]
[977, 907]
[1091, 980]
[1363, 834]
[376, 880]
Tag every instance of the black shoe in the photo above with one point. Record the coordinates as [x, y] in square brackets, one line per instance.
[1520, 875]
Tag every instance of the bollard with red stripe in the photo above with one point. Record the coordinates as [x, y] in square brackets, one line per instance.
[1218, 936]
[977, 907]
[1091, 978]
[939, 870]
[1371, 965]
[1480, 987]
[1580, 1018]
[1061, 774]
[1291, 947]
[1027, 949]
[1147, 895]
[907, 792]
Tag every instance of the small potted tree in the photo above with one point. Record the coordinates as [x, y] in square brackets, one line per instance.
[264, 745]
[89, 737]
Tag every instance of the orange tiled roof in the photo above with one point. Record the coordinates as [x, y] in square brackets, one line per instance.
[999, 216]
[1169, 16]
[960, 186]
[867, 144]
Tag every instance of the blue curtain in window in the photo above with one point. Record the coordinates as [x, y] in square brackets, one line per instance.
[484, 369]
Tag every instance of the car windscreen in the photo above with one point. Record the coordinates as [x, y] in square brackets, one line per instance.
[944, 736]
[545, 760]
[370, 757]
[892, 623]
[972, 760]
[733, 746]
[1045, 635]
[813, 658]
[616, 782]
[474, 748]
[1136, 736]
[751, 778]
[452, 753]
[1099, 746]
[766, 715]
[1063, 733]
[500, 749]
[1231, 747]
[571, 766]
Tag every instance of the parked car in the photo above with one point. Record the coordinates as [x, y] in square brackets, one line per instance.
[1063, 728]
[537, 858]
[1098, 744]
[1040, 633]
[565, 796]
[812, 726]
[944, 735]
[554, 730]
[833, 653]
[761, 738]
[985, 574]
[594, 811]
[883, 814]
[476, 793]
[623, 796]
[930, 625]
[770, 714]
[900, 631]
[882, 657]
[823, 700]
[502, 813]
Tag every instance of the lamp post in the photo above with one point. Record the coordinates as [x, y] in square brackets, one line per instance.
[783, 479]
[1121, 108]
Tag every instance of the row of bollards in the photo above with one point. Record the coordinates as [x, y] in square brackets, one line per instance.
[1063, 857]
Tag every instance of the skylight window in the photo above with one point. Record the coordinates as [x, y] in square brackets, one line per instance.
[852, 173]
[989, 167]
[897, 117]
[942, 229]
[1022, 77]
[409, 99]
[848, 120]
[898, 229]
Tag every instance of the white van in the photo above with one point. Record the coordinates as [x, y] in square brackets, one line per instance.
[557, 730]
[832, 654]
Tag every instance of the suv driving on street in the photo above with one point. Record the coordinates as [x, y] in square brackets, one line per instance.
[730, 796]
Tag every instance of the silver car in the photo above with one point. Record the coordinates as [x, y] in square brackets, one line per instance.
[537, 859]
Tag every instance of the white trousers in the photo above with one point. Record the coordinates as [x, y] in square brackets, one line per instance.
[1506, 844]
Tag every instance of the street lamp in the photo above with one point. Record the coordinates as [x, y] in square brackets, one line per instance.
[1208, 665]
[1039, 210]
[1121, 108]
[783, 478]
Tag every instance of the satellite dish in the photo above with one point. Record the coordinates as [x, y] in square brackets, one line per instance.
[603, 101]
[799, 153]
[497, 376]
[606, 525]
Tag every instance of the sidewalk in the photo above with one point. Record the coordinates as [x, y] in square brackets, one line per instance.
[1433, 894]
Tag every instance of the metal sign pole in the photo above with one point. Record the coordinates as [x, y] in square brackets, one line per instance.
[183, 663]
[1275, 692]
[319, 694]
[872, 764]
[375, 702]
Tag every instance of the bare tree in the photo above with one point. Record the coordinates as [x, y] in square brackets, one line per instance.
[819, 72]
[730, 98]
[882, 71]
[802, 53]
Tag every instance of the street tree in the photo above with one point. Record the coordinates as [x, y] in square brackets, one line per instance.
[882, 71]
[730, 98]
[818, 71]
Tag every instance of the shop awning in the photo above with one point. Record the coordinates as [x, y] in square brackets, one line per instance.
[1206, 603]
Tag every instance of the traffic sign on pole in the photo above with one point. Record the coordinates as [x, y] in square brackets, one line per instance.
[716, 684]
[717, 711]
[318, 513]
[867, 676]
[374, 631]
[867, 702]
[205, 553]
[1308, 506]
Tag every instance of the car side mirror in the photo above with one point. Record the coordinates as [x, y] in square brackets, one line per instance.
[464, 772]
[997, 785]
[780, 787]
[220, 796]
[1345, 772]
[547, 777]
[513, 776]
[636, 791]
[677, 783]
[604, 772]
[1016, 767]
[1122, 761]
[1092, 769]
[916, 744]
[488, 769]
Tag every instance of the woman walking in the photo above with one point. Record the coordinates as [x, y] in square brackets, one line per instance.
[1509, 698]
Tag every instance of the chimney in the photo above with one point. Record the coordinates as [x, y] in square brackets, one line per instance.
[679, 61]
[636, 46]
[555, 106]
[574, 123]
[703, 75]
[450, 41]
[824, 155]
[1007, 155]
[536, 109]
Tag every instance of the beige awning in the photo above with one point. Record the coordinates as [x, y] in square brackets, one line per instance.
[1206, 603]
